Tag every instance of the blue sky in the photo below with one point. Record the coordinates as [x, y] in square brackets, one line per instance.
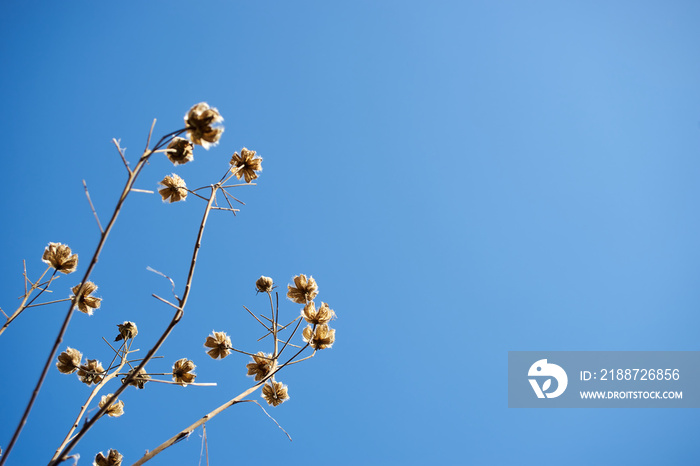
[463, 179]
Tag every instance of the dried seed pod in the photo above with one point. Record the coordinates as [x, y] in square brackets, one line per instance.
[199, 122]
[59, 257]
[86, 303]
[246, 165]
[304, 289]
[275, 393]
[174, 188]
[219, 343]
[69, 361]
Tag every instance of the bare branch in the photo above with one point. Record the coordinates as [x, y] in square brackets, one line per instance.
[121, 154]
[92, 207]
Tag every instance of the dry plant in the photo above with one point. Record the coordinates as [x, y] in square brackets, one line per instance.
[202, 127]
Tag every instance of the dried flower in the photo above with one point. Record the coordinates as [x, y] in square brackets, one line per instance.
[180, 151]
[116, 409]
[323, 315]
[261, 366]
[199, 121]
[304, 291]
[182, 371]
[91, 373]
[246, 165]
[275, 393]
[85, 302]
[321, 338]
[126, 330]
[175, 188]
[264, 284]
[114, 458]
[219, 343]
[139, 379]
[59, 257]
[69, 361]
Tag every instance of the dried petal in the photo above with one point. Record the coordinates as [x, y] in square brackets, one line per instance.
[321, 338]
[59, 257]
[116, 409]
[139, 380]
[69, 361]
[91, 373]
[182, 371]
[219, 343]
[246, 165]
[275, 393]
[85, 302]
[261, 366]
[304, 290]
[126, 330]
[114, 458]
[199, 121]
[323, 315]
[264, 284]
[174, 188]
[180, 151]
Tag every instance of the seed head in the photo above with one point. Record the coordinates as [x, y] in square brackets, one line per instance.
[86, 303]
[219, 343]
[264, 284]
[140, 379]
[59, 257]
[246, 165]
[69, 361]
[174, 188]
[180, 151]
[116, 409]
[91, 373]
[275, 393]
[261, 366]
[199, 121]
[304, 290]
[323, 315]
[182, 371]
[321, 338]
[114, 458]
[126, 330]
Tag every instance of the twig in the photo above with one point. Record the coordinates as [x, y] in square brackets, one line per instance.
[150, 133]
[268, 415]
[256, 318]
[121, 154]
[48, 302]
[92, 207]
[147, 191]
[165, 301]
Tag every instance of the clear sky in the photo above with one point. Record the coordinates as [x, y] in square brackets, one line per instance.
[462, 178]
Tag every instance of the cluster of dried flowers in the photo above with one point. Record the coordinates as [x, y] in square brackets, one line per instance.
[202, 127]
[263, 367]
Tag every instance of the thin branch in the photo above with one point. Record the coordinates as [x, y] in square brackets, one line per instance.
[3, 313]
[150, 133]
[92, 207]
[48, 302]
[256, 318]
[268, 415]
[121, 154]
[147, 191]
[165, 301]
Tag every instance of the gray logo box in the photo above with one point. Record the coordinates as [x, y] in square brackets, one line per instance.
[604, 379]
